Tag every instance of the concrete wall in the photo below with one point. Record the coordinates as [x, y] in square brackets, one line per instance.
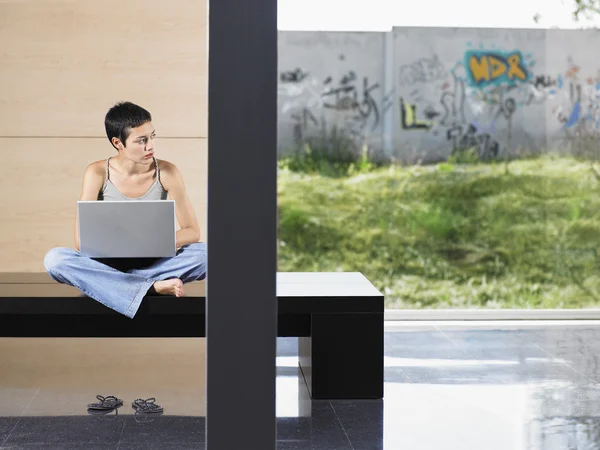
[330, 87]
[424, 93]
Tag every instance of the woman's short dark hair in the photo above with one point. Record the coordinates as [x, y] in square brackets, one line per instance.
[122, 117]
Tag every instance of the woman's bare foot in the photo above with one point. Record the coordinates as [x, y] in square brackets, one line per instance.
[169, 287]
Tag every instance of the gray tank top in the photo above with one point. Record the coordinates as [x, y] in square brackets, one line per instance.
[110, 193]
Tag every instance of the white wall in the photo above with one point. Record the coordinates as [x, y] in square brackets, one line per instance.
[420, 100]
[330, 81]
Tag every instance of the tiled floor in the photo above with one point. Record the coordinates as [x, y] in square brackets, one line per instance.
[448, 385]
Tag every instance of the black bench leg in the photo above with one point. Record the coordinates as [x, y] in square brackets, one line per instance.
[343, 357]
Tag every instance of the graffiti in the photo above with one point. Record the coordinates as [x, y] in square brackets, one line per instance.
[490, 99]
[293, 76]
[453, 102]
[577, 103]
[575, 115]
[299, 97]
[463, 139]
[451, 111]
[408, 117]
[572, 72]
[500, 106]
[583, 109]
[506, 109]
[316, 108]
[345, 97]
[423, 70]
[539, 89]
[477, 88]
[302, 121]
[297, 90]
[543, 81]
[488, 68]
[431, 113]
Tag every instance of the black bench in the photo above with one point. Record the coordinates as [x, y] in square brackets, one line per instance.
[338, 318]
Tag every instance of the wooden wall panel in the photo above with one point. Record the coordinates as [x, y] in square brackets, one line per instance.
[40, 183]
[64, 63]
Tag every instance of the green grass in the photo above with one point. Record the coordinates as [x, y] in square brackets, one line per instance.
[451, 236]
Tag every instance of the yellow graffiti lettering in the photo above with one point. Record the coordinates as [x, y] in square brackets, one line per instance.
[498, 67]
[479, 68]
[490, 67]
[515, 70]
[409, 117]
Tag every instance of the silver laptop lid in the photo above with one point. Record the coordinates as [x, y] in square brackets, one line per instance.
[127, 229]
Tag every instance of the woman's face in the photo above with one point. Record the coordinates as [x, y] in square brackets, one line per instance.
[140, 143]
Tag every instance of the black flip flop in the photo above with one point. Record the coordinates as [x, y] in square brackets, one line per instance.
[147, 406]
[106, 403]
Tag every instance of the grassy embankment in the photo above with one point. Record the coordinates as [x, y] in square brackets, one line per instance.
[451, 236]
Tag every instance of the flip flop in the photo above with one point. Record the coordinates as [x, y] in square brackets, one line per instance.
[146, 406]
[106, 403]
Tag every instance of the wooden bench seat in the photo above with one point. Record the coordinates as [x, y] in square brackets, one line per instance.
[338, 318]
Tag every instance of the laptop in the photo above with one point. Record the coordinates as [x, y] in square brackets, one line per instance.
[127, 229]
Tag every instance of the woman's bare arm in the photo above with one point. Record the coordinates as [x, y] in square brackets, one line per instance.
[173, 182]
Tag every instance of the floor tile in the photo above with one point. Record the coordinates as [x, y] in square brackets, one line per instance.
[6, 426]
[311, 445]
[362, 421]
[61, 446]
[453, 386]
[161, 446]
[322, 428]
[162, 429]
[88, 430]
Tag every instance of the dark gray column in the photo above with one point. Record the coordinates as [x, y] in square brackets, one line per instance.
[242, 197]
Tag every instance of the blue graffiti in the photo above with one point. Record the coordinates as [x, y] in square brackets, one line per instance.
[574, 116]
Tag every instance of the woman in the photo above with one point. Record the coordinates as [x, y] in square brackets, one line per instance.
[134, 174]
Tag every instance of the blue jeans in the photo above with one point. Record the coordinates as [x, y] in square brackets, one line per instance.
[121, 284]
